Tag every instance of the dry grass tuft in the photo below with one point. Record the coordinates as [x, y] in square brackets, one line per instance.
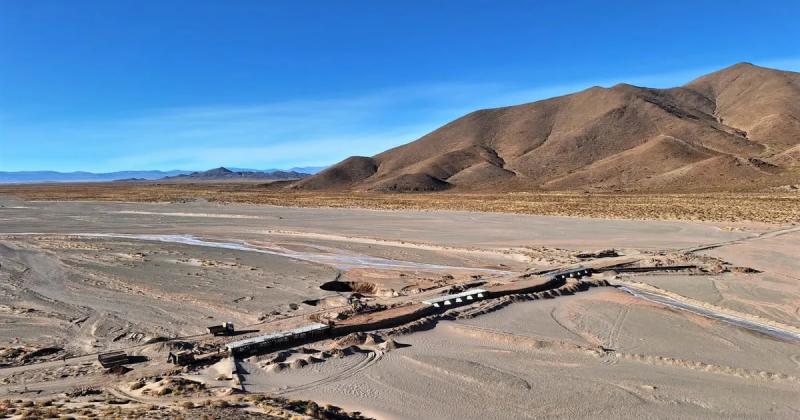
[770, 207]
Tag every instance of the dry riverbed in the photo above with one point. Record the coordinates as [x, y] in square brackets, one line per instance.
[78, 278]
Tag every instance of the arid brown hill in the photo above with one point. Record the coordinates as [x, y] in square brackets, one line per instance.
[738, 128]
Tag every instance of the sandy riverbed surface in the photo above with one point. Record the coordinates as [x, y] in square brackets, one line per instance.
[77, 278]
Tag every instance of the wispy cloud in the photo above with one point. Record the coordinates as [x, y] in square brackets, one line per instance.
[280, 134]
[307, 132]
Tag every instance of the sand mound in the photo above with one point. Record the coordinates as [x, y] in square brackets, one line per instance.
[345, 351]
[338, 353]
[276, 367]
[372, 339]
[280, 356]
[314, 359]
[390, 344]
[298, 363]
[270, 358]
[529, 342]
[707, 367]
[351, 339]
[421, 324]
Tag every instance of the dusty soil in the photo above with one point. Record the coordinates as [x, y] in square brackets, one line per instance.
[542, 359]
[77, 278]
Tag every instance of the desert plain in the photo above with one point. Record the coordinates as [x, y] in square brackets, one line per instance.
[713, 333]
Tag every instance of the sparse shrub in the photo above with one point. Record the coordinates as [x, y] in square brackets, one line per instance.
[31, 414]
[220, 404]
[312, 409]
[256, 398]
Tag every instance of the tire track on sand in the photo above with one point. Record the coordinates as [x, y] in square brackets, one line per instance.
[796, 359]
[371, 358]
[613, 335]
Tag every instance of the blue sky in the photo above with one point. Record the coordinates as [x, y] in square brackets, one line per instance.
[113, 85]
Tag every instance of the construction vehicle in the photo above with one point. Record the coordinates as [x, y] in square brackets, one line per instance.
[112, 359]
[226, 328]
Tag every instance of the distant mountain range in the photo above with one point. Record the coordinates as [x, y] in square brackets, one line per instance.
[53, 176]
[735, 129]
[221, 174]
[302, 169]
[27, 177]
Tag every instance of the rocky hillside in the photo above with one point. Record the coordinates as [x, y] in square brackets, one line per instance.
[738, 128]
